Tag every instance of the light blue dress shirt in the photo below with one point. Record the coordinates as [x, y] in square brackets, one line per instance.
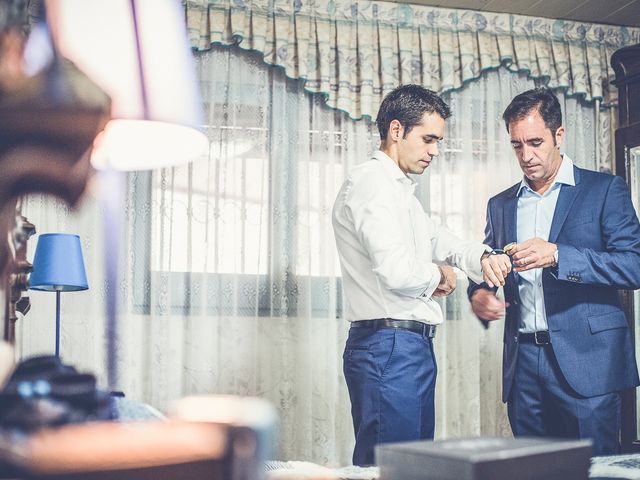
[535, 214]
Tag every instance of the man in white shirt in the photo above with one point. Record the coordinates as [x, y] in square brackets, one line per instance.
[394, 260]
[576, 240]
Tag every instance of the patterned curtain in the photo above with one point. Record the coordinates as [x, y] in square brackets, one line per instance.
[354, 52]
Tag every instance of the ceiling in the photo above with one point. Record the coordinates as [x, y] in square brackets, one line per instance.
[616, 12]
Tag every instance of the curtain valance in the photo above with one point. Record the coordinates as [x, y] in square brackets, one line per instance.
[354, 52]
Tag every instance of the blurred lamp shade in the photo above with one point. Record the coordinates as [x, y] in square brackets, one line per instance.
[137, 51]
[58, 267]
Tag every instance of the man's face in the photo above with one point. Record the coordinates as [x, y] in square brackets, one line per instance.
[537, 152]
[418, 148]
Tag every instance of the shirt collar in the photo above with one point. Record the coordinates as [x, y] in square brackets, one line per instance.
[565, 176]
[393, 169]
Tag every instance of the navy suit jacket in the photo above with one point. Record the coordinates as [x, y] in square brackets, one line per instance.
[598, 236]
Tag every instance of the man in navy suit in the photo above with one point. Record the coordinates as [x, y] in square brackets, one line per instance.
[575, 240]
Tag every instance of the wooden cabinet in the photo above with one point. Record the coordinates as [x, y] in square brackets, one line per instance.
[626, 64]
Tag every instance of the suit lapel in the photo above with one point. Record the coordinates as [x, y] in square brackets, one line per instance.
[510, 222]
[566, 198]
[510, 219]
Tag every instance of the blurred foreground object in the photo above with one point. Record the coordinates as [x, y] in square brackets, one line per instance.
[44, 392]
[213, 438]
[137, 450]
[250, 423]
[137, 51]
[50, 113]
[485, 459]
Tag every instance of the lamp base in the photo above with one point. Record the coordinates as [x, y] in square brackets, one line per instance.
[58, 323]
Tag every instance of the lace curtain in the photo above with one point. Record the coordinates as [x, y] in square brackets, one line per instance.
[231, 282]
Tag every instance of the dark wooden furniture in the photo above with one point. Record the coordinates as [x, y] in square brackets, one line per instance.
[17, 276]
[626, 64]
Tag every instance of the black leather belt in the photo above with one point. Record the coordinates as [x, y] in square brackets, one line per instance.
[539, 338]
[412, 325]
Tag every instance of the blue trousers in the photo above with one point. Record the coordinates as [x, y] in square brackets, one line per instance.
[542, 404]
[391, 376]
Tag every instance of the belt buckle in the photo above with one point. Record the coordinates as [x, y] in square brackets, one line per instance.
[542, 337]
[429, 331]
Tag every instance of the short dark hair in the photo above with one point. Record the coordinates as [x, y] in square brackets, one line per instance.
[408, 104]
[541, 99]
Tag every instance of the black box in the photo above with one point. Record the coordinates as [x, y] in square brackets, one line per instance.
[485, 459]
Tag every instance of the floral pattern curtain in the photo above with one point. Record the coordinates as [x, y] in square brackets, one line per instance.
[354, 52]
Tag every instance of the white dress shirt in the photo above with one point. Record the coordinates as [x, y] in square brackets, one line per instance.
[389, 247]
[535, 214]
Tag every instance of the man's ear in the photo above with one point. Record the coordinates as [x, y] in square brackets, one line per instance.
[559, 136]
[396, 130]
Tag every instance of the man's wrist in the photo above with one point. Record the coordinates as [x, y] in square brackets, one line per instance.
[555, 259]
[443, 278]
[493, 251]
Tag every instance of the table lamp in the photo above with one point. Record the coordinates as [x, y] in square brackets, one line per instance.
[58, 267]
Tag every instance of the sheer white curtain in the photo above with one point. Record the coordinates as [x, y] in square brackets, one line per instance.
[231, 282]
[243, 285]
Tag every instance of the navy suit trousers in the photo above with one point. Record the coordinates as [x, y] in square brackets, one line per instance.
[391, 376]
[542, 404]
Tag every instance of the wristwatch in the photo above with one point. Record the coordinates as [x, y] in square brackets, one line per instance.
[555, 258]
[503, 250]
[488, 253]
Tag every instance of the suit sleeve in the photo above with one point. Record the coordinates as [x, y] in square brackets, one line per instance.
[488, 240]
[618, 265]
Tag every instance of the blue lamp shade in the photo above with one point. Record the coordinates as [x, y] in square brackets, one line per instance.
[58, 264]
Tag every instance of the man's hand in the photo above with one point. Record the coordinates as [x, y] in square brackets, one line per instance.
[447, 282]
[487, 306]
[533, 253]
[495, 269]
